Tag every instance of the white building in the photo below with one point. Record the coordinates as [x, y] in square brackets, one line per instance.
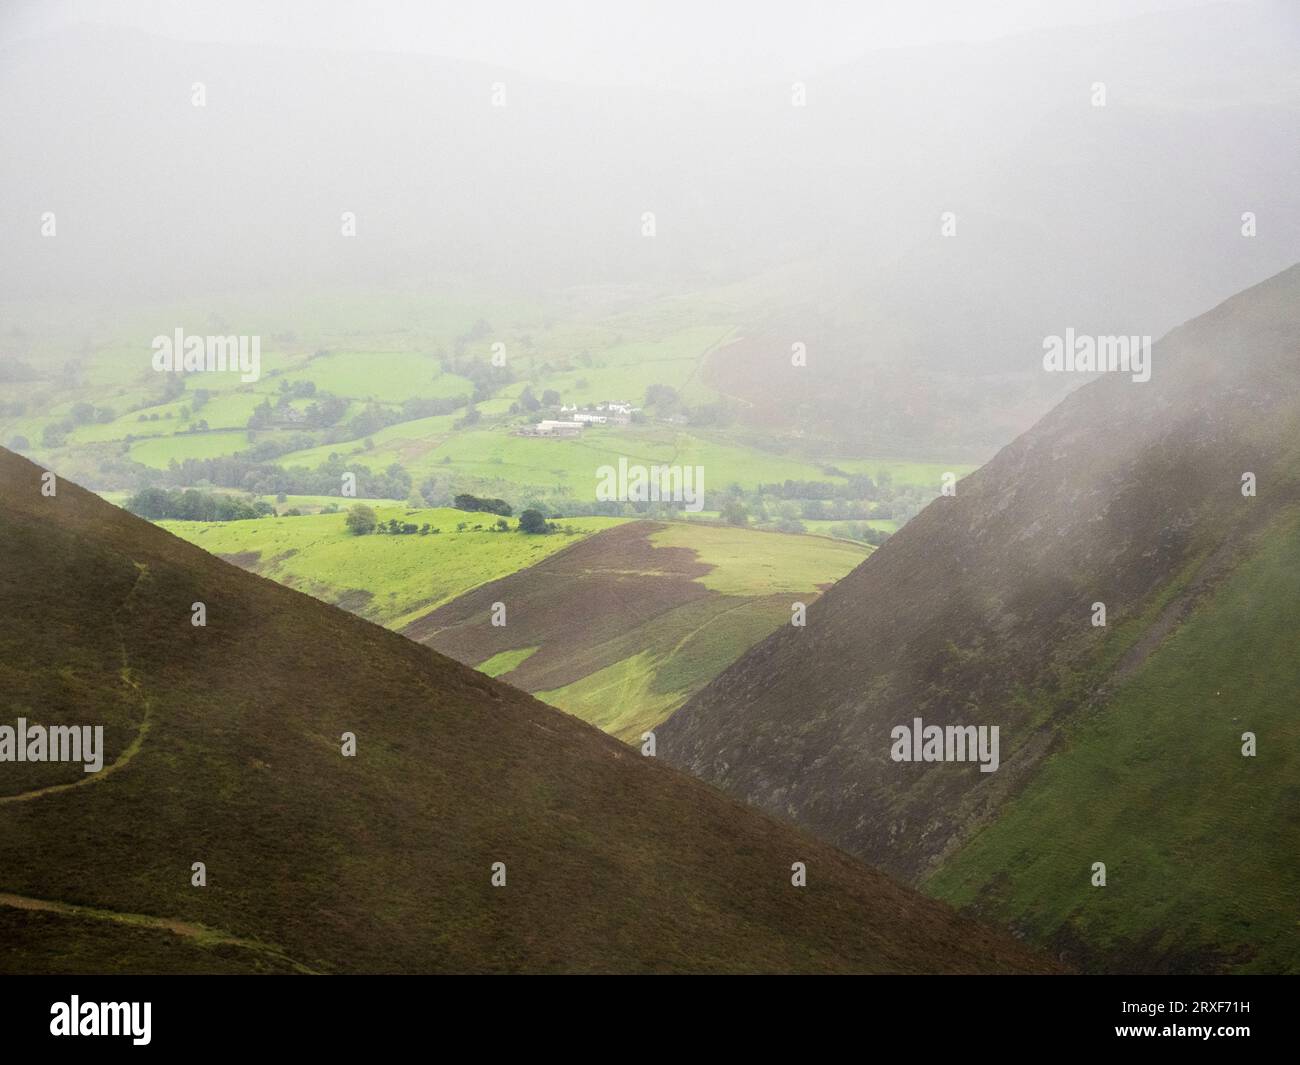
[551, 427]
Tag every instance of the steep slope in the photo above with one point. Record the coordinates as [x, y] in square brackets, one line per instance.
[1200, 843]
[980, 612]
[619, 629]
[222, 746]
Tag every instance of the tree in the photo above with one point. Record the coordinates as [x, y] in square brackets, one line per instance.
[532, 521]
[361, 520]
[734, 513]
[466, 501]
[550, 398]
[663, 396]
[19, 443]
[261, 416]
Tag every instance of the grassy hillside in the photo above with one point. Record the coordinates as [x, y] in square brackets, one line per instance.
[704, 594]
[622, 627]
[223, 747]
[568, 466]
[386, 579]
[1232, 667]
[979, 612]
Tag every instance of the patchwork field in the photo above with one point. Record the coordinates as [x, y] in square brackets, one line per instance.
[620, 628]
[615, 621]
[115, 422]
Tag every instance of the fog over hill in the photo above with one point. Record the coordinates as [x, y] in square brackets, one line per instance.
[642, 486]
[828, 215]
[1161, 501]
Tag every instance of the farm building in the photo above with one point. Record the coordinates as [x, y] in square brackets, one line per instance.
[550, 427]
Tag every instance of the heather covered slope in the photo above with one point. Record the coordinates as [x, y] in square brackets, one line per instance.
[979, 612]
[223, 748]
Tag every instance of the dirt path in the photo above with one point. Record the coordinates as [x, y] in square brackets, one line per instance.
[1175, 612]
[146, 705]
[208, 937]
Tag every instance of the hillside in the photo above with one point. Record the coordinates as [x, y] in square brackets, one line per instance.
[620, 628]
[222, 747]
[1119, 743]
[648, 612]
[386, 579]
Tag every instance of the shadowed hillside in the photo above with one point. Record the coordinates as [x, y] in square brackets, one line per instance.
[619, 629]
[980, 612]
[223, 747]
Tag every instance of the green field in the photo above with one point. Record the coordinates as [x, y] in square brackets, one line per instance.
[1184, 781]
[159, 450]
[382, 376]
[751, 563]
[383, 578]
[624, 674]
[623, 628]
[390, 347]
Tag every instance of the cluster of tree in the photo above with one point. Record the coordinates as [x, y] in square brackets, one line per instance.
[835, 509]
[249, 472]
[857, 486]
[471, 417]
[328, 409]
[487, 377]
[466, 501]
[529, 403]
[856, 530]
[664, 401]
[361, 521]
[159, 504]
[297, 389]
[55, 433]
[500, 526]
[324, 412]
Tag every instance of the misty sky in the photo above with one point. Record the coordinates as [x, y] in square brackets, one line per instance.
[814, 219]
[681, 43]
